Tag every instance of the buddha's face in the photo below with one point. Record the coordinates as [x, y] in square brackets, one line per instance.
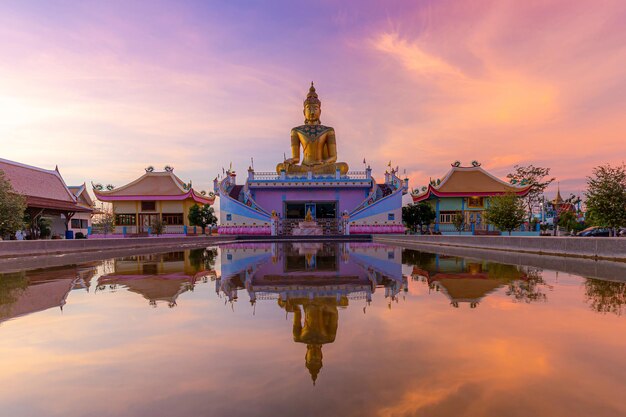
[312, 112]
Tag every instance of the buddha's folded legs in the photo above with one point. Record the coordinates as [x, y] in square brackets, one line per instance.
[316, 169]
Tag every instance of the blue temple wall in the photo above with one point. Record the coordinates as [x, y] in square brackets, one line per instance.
[234, 212]
[379, 211]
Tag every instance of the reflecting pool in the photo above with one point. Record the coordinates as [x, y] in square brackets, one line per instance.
[310, 329]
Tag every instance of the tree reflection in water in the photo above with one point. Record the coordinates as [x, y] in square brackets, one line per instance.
[202, 259]
[11, 285]
[529, 287]
[606, 296]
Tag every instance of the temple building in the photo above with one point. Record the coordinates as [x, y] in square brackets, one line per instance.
[561, 206]
[154, 195]
[311, 193]
[46, 195]
[466, 191]
[81, 222]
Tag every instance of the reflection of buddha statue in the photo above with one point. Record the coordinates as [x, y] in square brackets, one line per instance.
[321, 319]
[319, 146]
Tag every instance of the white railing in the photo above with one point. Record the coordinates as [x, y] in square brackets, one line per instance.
[268, 175]
[357, 174]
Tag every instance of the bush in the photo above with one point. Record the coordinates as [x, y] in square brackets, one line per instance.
[80, 235]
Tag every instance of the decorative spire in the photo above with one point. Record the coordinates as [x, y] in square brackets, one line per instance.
[311, 97]
[558, 199]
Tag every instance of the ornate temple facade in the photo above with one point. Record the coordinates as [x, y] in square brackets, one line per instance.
[311, 193]
[465, 190]
[154, 195]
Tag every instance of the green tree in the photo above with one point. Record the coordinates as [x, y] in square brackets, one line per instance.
[12, 207]
[606, 196]
[506, 212]
[535, 177]
[44, 225]
[202, 216]
[459, 222]
[568, 221]
[158, 226]
[105, 222]
[417, 215]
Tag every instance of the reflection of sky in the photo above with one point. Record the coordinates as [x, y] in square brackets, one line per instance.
[110, 353]
[199, 84]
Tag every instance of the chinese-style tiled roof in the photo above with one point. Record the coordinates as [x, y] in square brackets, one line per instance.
[154, 186]
[42, 188]
[470, 182]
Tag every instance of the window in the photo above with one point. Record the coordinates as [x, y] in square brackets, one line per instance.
[391, 216]
[447, 216]
[173, 219]
[474, 202]
[229, 217]
[295, 211]
[75, 223]
[125, 219]
[148, 205]
[325, 210]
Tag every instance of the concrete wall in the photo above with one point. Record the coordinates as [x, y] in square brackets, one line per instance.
[16, 248]
[124, 207]
[171, 207]
[601, 248]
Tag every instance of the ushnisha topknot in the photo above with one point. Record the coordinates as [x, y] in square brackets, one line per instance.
[311, 97]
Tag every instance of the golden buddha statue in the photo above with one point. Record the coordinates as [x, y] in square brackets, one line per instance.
[319, 146]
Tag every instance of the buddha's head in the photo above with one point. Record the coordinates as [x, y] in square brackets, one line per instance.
[313, 360]
[312, 107]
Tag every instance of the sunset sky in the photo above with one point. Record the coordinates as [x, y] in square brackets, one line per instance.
[104, 89]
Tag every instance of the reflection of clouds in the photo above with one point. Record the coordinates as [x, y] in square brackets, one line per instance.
[120, 358]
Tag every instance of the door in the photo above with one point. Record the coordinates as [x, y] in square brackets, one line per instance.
[146, 221]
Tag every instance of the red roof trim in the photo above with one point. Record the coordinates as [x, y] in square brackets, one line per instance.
[190, 194]
[48, 203]
[432, 191]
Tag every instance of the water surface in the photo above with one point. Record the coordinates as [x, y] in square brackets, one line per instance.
[310, 329]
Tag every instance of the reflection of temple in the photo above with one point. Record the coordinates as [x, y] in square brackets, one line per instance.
[160, 277]
[311, 280]
[27, 292]
[465, 281]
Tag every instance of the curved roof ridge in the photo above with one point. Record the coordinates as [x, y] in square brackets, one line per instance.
[177, 181]
[439, 189]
